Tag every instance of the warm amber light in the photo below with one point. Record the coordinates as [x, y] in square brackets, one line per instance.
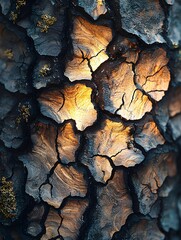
[89, 43]
[152, 73]
[72, 102]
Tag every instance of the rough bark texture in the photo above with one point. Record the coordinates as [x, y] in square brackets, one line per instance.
[90, 120]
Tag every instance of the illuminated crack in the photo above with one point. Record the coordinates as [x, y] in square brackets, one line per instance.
[148, 135]
[89, 43]
[117, 92]
[113, 202]
[68, 142]
[158, 165]
[42, 159]
[112, 141]
[65, 181]
[65, 223]
[152, 73]
[75, 104]
[126, 88]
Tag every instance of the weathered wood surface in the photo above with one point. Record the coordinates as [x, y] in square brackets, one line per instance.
[68, 142]
[113, 202]
[90, 120]
[71, 103]
[89, 46]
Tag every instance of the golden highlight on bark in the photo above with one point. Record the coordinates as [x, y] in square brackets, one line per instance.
[89, 45]
[72, 102]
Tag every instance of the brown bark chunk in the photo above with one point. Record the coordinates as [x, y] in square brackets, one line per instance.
[68, 142]
[175, 102]
[52, 224]
[146, 229]
[100, 168]
[67, 222]
[118, 93]
[113, 207]
[72, 218]
[152, 74]
[89, 43]
[150, 176]
[148, 135]
[41, 159]
[72, 102]
[113, 140]
[65, 181]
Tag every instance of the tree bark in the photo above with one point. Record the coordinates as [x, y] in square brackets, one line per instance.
[90, 119]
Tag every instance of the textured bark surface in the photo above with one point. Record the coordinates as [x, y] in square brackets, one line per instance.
[90, 120]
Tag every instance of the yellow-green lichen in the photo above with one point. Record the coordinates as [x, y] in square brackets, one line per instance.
[24, 113]
[13, 16]
[8, 53]
[7, 199]
[45, 22]
[20, 3]
[44, 70]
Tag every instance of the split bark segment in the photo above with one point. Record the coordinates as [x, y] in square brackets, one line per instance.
[47, 178]
[113, 202]
[68, 142]
[70, 103]
[125, 87]
[150, 176]
[67, 222]
[89, 46]
[113, 141]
